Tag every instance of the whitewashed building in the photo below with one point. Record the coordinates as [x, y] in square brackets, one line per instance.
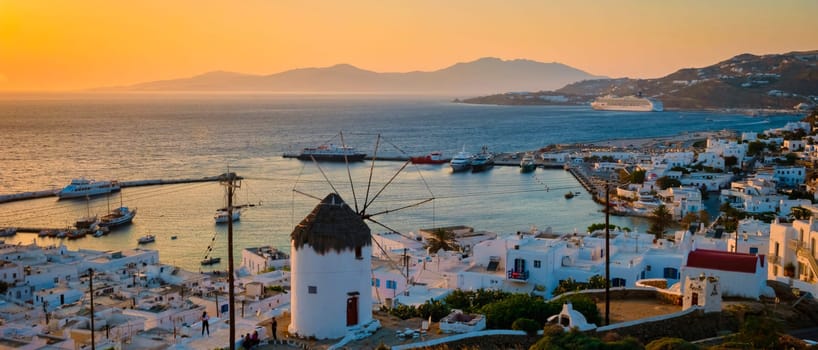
[795, 244]
[742, 275]
[753, 195]
[261, 259]
[331, 271]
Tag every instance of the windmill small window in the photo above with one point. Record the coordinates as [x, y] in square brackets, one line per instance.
[359, 252]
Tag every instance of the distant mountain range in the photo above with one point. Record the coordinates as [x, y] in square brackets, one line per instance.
[485, 75]
[779, 81]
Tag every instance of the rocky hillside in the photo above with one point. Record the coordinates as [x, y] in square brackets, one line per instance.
[744, 81]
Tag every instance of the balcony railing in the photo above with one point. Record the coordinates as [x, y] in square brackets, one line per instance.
[518, 275]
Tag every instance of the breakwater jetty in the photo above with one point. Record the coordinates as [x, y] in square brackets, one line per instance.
[123, 184]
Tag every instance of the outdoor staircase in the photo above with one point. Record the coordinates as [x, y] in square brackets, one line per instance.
[806, 254]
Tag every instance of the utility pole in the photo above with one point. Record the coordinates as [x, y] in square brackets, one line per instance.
[231, 183]
[607, 253]
[91, 292]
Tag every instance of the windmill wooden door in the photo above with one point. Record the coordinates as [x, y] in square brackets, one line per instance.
[352, 311]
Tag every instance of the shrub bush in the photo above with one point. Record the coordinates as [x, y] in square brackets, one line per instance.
[526, 324]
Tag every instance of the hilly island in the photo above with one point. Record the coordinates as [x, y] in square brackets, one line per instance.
[777, 81]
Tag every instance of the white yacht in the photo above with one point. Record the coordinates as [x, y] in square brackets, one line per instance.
[461, 161]
[221, 215]
[83, 187]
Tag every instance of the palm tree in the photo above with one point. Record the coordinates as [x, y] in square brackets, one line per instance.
[441, 239]
[800, 213]
[660, 219]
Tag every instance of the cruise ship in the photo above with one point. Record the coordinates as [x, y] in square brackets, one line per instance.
[628, 103]
[82, 187]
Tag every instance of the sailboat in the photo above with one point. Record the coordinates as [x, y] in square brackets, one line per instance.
[88, 221]
[118, 216]
[208, 259]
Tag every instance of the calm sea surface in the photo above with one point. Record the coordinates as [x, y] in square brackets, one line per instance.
[50, 139]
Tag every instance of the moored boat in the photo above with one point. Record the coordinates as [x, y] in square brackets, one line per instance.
[527, 163]
[83, 187]
[117, 217]
[482, 161]
[461, 161]
[146, 239]
[569, 195]
[211, 261]
[435, 157]
[222, 215]
[332, 153]
[8, 231]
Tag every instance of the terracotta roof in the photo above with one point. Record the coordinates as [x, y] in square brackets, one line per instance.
[332, 225]
[724, 261]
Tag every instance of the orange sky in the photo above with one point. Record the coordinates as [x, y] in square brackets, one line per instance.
[79, 44]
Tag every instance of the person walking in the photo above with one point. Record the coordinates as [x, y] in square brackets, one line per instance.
[205, 324]
[275, 325]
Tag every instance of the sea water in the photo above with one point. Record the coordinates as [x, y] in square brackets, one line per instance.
[50, 139]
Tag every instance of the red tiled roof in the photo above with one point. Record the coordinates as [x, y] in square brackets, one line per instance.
[724, 261]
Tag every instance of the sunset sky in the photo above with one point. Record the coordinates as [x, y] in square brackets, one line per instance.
[80, 44]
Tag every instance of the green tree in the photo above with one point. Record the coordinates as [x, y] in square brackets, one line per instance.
[689, 219]
[665, 182]
[755, 148]
[730, 161]
[670, 344]
[441, 239]
[660, 220]
[800, 213]
[704, 217]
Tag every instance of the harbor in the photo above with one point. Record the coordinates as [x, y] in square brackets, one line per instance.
[135, 183]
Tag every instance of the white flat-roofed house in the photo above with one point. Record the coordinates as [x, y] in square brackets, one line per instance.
[464, 236]
[673, 159]
[795, 245]
[711, 159]
[711, 182]
[10, 272]
[261, 259]
[608, 166]
[119, 259]
[727, 148]
[794, 145]
[789, 176]
[682, 200]
[387, 242]
[753, 195]
[555, 157]
[749, 136]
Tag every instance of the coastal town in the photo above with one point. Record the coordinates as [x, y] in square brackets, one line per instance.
[344, 286]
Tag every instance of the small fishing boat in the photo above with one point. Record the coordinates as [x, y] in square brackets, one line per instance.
[211, 261]
[8, 231]
[435, 157]
[569, 195]
[527, 163]
[146, 239]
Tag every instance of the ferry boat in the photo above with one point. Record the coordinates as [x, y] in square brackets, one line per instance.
[431, 158]
[461, 161]
[482, 161]
[527, 163]
[628, 103]
[332, 153]
[83, 187]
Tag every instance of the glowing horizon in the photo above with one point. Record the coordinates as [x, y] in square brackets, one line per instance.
[69, 45]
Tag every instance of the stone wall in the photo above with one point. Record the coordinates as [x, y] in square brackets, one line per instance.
[630, 293]
[694, 325]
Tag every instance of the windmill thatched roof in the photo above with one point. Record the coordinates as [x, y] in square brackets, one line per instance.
[332, 225]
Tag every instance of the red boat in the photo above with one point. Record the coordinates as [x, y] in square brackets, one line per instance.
[431, 158]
